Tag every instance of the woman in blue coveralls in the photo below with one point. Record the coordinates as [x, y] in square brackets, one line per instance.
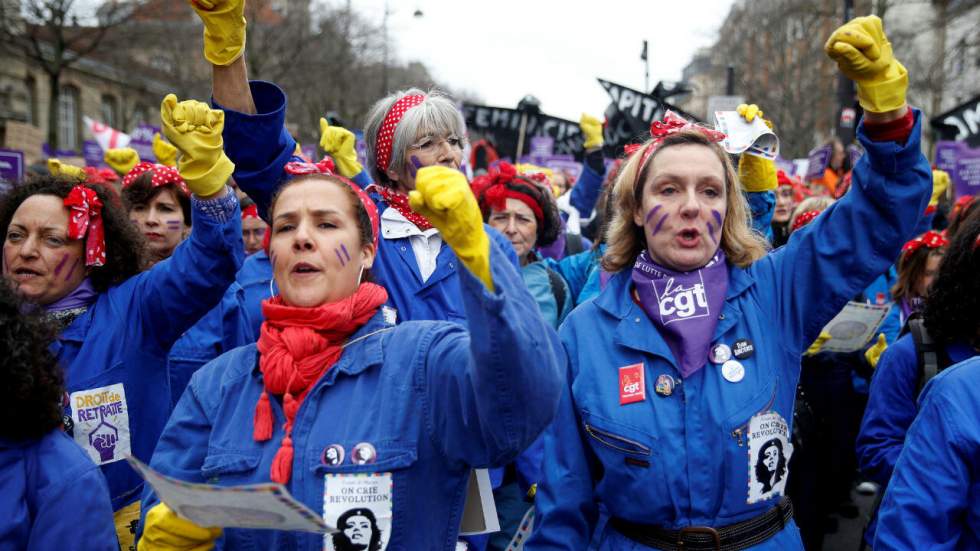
[932, 500]
[47, 479]
[71, 250]
[951, 319]
[686, 365]
[417, 404]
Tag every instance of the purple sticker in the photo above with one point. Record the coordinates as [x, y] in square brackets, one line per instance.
[651, 213]
[660, 223]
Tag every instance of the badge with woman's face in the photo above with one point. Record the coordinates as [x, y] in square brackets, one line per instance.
[769, 453]
[363, 454]
[333, 455]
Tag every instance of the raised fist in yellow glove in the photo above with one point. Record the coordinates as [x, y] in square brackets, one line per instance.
[940, 183]
[165, 531]
[224, 29]
[443, 196]
[195, 129]
[864, 55]
[874, 353]
[166, 154]
[121, 159]
[754, 172]
[60, 169]
[338, 142]
[591, 130]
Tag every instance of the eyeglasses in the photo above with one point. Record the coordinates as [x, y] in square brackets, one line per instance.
[431, 144]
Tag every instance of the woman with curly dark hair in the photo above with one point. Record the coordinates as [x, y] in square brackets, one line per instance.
[72, 253]
[58, 479]
[358, 531]
[527, 215]
[951, 320]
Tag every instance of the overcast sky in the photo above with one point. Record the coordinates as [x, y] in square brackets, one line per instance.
[505, 49]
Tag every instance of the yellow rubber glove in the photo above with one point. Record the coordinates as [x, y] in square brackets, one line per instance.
[874, 353]
[58, 168]
[755, 173]
[165, 531]
[443, 196]
[940, 183]
[195, 129]
[864, 55]
[224, 29]
[338, 142]
[818, 344]
[166, 154]
[121, 159]
[592, 131]
[749, 111]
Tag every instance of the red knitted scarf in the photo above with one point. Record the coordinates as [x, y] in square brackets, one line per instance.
[297, 346]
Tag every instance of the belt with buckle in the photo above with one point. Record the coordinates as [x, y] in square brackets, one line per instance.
[733, 537]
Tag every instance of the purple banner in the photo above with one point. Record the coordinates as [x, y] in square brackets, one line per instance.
[361, 147]
[93, 154]
[11, 165]
[142, 141]
[962, 162]
[542, 146]
[309, 151]
[819, 159]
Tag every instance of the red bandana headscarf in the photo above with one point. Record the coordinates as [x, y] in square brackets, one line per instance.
[386, 132]
[931, 239]
[326, 167]
[492, 191]
[85, 220]
[162, 175]
[297, 346]
[670, 125]
[399, 202]
[805, 218]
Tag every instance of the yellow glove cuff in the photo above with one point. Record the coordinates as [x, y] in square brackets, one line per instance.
[57, 168]
[756, 173]
[204, 179]
[887, 94]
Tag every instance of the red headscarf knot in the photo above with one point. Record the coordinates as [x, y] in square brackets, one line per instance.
[85, 220]
[300, 168]
[492, 191]
[162, 175]
[805, 218]
[671, 124]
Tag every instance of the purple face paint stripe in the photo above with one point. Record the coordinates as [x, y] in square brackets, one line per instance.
[717, 217]
[660, 223]
[344, 248]
[70, 272]
[651, 213]
[340, 258]
[711, 232]
[57, 269]
[415, 166]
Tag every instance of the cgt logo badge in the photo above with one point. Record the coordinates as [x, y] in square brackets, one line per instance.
[632, 387]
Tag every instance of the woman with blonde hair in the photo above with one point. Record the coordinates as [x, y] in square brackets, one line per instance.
[684, 368]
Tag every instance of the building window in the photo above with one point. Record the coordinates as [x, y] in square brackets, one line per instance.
[31, 112]
[69, 119]
[139, 116]
[109, 110]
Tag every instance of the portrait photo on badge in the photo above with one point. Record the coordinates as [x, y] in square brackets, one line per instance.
[770, 450]
[359, 506]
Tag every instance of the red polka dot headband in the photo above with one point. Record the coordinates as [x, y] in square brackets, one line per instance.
[805, 218]
[931, 239]
[386, 133]
[162, 175]
[670, 125]
[85, 220]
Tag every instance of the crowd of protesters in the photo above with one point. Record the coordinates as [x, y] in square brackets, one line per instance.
[639, 357]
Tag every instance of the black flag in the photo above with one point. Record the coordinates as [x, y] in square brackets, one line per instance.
[629, 115]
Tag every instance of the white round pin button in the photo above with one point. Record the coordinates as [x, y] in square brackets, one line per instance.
[720, 353]
[733, 371]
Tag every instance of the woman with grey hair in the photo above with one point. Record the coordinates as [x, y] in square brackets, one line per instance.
[404, 131]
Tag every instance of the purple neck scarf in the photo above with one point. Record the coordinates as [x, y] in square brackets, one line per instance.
[81, 297]
[684, 306]
[910, 306]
